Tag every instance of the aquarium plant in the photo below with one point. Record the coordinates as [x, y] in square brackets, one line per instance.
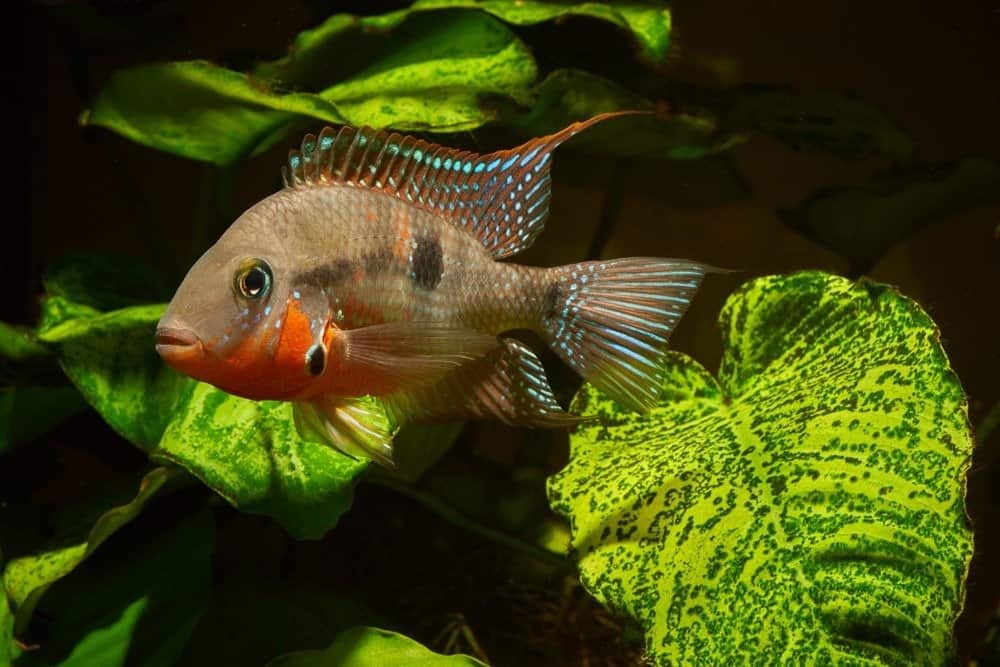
[805, 503]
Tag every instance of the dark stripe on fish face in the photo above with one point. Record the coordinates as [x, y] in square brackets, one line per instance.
[427, 262]
[315, 360]
[327, 274]
[553, 299]
[378, 261]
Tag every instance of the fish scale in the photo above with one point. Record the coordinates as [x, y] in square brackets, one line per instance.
[375, 272]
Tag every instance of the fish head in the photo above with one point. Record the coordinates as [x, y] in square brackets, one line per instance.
[236, 321]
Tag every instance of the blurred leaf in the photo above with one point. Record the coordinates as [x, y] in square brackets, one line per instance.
[135, 603]
[863, 223]
[429, 82]
[808, 504]
[250, 453]
[569, 95]
[105, 281]
[270, 619]
[417, 447]
[28, 412]
[818, 122]
[57, 309]
[19, 343]
[198, 110]
[345, 43]
[25, 360]
[412, 69]
[988, 425]
[371, 647]
[26, 578]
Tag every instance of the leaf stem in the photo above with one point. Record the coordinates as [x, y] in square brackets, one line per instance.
[450, 514]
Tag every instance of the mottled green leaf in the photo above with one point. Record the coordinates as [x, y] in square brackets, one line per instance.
[198, 110]
[863, 223]
[135, 603]
[647, 22]
[569, 95]
[58, 309]
[8, 649]
[807, 505]
[427, 80]
[250, 453]
[111, 359]
[26, 578]
[372, 647]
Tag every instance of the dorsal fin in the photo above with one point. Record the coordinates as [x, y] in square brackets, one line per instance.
[502, 198]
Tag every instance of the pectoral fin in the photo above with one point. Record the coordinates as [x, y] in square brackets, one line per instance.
[385, 357]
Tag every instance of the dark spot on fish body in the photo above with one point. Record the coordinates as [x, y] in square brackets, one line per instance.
[315, 360]
[328, 274]
[553, 297]
[378, 262]
[427, 262]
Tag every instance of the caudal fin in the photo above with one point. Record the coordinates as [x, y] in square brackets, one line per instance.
[611, 320]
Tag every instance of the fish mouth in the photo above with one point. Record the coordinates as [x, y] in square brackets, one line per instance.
[175, 344]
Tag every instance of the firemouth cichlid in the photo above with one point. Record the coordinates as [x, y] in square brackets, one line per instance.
[375, 272]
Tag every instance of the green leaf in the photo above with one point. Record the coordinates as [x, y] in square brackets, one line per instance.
[198, 110]
[364, 647]
[135, 603]
[111, 359]
[26, 578]
[250, 453]
[863, 223]
[428, 80]
[271, 619]
[8, 649]
[808, 504]
[105, 281]
[817, 122]
[28, 412]
[648, 23]
[569, 95]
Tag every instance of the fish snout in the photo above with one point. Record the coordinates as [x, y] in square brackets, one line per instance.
[177, 345]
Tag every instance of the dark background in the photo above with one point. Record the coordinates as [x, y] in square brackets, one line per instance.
[932, 68]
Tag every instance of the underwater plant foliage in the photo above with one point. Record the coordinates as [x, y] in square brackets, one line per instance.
[805, 503]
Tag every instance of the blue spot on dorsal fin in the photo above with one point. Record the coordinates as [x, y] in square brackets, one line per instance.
[474, 192]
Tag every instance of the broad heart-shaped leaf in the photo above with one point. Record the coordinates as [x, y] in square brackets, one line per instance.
[247, 451]
[863, 223]
[372, 647]
[806, 507]
[135, 603]
[78, 535]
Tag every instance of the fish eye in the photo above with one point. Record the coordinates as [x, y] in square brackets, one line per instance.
[253, 281]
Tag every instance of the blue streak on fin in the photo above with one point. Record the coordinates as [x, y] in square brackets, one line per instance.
[610, 321]
[502, 198]
[509, 384]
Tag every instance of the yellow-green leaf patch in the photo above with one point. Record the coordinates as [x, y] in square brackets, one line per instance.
[807, 505]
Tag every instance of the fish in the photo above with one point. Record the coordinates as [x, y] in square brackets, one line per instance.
[376, 271]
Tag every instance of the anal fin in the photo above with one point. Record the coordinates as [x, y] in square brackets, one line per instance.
[508, 384]
[358, 427]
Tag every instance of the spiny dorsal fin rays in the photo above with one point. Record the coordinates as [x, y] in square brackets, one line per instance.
[502, 198]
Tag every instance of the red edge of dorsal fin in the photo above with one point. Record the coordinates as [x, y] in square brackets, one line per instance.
[502, 198]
